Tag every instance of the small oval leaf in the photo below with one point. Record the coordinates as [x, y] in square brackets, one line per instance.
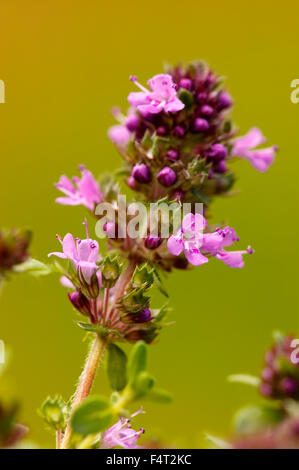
[92, 416]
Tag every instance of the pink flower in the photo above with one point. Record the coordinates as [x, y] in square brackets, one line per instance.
[83, 254]
[189, 239]
[121, 434]
[244, 146]
[162, 97]
[234, 259]
[119, 135]
[215, 241]
[197, 246]
[85, 191]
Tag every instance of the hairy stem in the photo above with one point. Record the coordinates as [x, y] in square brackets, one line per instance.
[85, 382]
[58, 438]
[96, 351]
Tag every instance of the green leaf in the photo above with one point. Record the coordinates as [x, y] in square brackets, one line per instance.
[186, 97]
[253, 419]
[159, 395]
[143, 384]
[159, 284]
[102, 331]
[244, 379]
[33, 267]
[92, 416]
[137, 361]
[117, 367]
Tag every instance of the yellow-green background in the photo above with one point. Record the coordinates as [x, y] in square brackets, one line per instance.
[64, 65]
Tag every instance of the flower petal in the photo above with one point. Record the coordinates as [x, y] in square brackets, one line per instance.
[119, 135]
[137, 98]
[69, 247]
[175, 244]
[174, 105]
[193, 254]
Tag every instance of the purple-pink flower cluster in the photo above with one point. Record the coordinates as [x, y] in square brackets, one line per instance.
[199, 246]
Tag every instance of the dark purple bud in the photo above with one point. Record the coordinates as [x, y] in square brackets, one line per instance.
[172, 155]
[166, 176]
[217, 152]
[289, 386]
[181, 263]
[266, 390]
[179, 131]
[178, 195]
[80, 302]
[161, 130]
[224, 101]
[143, 316]
[132, 123]
[268, 374]
[200, 125]
[221, 167]
[206, 110]
[186, 83]
[141, 173]
[132, 183]
[202, 97]
[152, 242]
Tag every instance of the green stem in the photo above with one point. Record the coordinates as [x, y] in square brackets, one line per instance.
[85, 382]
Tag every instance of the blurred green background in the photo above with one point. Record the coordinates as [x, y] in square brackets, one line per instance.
[65, 64]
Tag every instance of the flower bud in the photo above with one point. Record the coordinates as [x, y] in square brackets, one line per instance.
[185, 83]
[110, 272]
[206, 110]
[179, 131]
[132, 122]
[178, 195]
[166, 176]
[80, 302]
[217, 152]
[200, 125]
[289, 386]
[141, 173]
[132, 183]
[161, 130]
[224, 101]
[202, 97]
[145, 334]
[152, 242]
[172, 155]
[221, 167]
[14, 245]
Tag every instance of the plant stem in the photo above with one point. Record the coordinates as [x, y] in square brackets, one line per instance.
[58, 438]
[106, 300]
[122, 283]
[85, 382]
[96, 351]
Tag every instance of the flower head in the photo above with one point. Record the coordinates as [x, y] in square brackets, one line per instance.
[82, 253]
[162, 97]
[14, 245]
[80, 191]
[244, 147]
[121, 434]
[280, 376]
[197, 245]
